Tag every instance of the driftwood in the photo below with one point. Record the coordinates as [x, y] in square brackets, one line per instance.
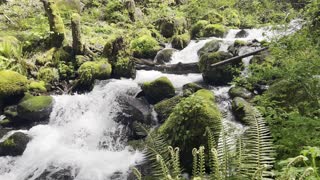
[238, 58]
[185, 68]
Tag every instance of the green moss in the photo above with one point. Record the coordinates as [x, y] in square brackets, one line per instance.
[216, 30]
[213, 17]
[211, 46]
[170, 26]
[145, 47]
[190, 88]
[181, 41]
[242, 109]
[61, 55]
[12, 83]
[158, 89]
[66, 70]
[124, 67]
[5, 122]
[48, 75]
[239, 43]
[9, 142]
[164, 108]
[113, 46]
[232, 17]
[91, 70]
[45, 58]
[35, 104]
[197, 29]
[186, 125]
[37, 86]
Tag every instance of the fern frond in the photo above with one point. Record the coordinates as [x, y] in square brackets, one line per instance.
[175, 159]
[214, 165]
[308, 172]
[201, 165]
[137, 173]
[195, 172]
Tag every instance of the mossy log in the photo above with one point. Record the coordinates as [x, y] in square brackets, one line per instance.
[55, 22]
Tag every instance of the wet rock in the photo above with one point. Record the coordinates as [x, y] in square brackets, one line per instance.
[164, 56]
[14, 145]
[242, 34]
[133, 110]
[242, 110]
[190, 88]
[240, 92]
[181, 41]
[36, 108]
[164, 108]
[221, 75]
[209, 47]
[170, 26]
[234, 49]
[54, 174]
[159, 89]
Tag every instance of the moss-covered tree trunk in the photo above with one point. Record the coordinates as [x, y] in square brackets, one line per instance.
[76, 34]
[55, 22]
[131, 7]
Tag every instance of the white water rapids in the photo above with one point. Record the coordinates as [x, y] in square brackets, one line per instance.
[82, 136]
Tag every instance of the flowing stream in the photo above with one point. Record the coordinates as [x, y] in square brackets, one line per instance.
[82, 137]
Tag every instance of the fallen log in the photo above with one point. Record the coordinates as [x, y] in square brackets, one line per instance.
[179, 68]
[234, 59]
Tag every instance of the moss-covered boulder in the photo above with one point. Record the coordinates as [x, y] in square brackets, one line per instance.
[242, 34]
[92, 70]
[158, 89]
[165, 107]
[124, 67]
[48, 74]
[113, 47]
[186, 125]
[209, 47]
[37, 87]
[190, 88]
[180, 41]
[242, 110]
[234, 49]
[170, 26]
[221, 75]
[145, 47]
[164, 56]
[14, 145]
[216, 30]
[66, 70]
[12, 85]
[242, 92]
[35, 108]
[197, 29]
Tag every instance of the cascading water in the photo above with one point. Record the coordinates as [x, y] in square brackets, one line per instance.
[81, 137]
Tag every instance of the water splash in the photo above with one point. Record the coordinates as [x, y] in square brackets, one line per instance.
[78, 126]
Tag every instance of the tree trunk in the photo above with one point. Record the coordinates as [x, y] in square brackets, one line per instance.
[55, 22]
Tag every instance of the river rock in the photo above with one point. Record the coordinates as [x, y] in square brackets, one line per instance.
[164, 56]
[221, 75]
[14, 145]
[190, 88]
[164, 108]
[157, 90]
[209, 47]
[133, 110]
[242, 34]
[181, 41]
[242, 110]
[242, 92]
[53, 173]
[36, 108]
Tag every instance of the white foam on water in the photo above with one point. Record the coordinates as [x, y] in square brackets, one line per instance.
[78, 125]
[177, 80]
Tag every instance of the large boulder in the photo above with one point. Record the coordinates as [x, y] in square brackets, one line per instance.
[210, 47]
[36, 108]
[133, 110]
[164, 56]
[204, 29]
[221, 75]
[124, 67]
[158, 89]
[113, 46]
[170, 26]
[12, 85]
[242, 92]
[145, 47]
[242, 110]
[242, 34]
[180, 41]
[165, 107]
[187, 123]
[190, 88]
[234, 49]
[92, 70]
[14, 145]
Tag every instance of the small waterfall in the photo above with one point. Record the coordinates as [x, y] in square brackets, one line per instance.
[81, 137]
